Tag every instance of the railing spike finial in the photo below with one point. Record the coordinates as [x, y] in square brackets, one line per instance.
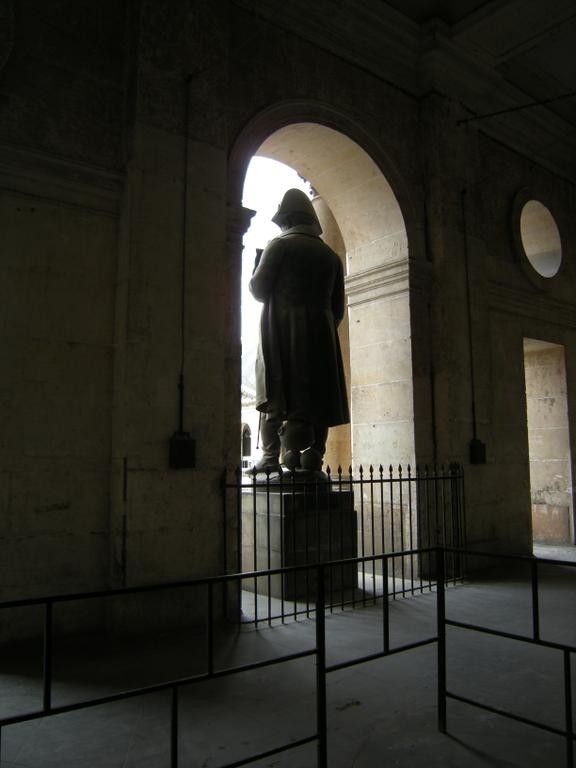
[328, 472]
[361, 471]
[350, 470]
[400, 470]
[381, 470]
[371, 470]
[339, 471]
[390, 470]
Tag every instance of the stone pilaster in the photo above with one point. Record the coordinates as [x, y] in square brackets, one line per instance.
[237, 223]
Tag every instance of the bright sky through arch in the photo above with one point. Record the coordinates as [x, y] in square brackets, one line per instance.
[265, 184]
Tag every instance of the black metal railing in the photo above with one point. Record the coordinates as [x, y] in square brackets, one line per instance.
[533, 638]
[214, 669]
[275, 521]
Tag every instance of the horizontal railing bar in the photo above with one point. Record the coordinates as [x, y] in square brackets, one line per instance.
[505, 556]
[205, 580]
[259, 664]
[271, 752]
[329, 563]
[370, 598]
[155, 688]
[510, 715]
[511, 636]
[382, 654]
[336, 483]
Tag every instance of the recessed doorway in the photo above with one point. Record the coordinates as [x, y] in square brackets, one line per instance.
[548, 444]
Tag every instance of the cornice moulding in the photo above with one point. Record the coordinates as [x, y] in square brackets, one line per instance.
[542, 308]
[42, 175]
[381, 282]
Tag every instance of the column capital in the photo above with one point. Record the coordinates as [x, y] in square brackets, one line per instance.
[238, 220]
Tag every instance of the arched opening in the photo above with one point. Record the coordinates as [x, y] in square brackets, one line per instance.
[246, 441]
[362, 221]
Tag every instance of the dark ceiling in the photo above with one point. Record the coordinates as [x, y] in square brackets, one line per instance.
[528, 49]
[450, 11]
[511, 64]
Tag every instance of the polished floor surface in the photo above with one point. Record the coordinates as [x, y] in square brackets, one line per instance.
[380, 713]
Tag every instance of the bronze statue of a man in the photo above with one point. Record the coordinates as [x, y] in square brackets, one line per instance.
[300, 385]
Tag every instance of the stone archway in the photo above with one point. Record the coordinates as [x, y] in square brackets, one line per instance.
[371, 223]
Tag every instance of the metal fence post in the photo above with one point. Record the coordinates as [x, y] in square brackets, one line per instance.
[239, 523]
[210, 629]
[441, 618]
[568, 710]
[535, 599]
[174, 729]
[321, 719]
[48, 660]
[385, 606]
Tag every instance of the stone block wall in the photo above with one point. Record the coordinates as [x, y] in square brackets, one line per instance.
[61, 123]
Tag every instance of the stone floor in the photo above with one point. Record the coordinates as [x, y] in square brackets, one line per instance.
[555, 551]
[381, 713]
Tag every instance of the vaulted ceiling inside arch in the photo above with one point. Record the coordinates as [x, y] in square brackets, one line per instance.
[352, 185]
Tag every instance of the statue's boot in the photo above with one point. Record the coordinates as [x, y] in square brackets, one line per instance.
[270, 441]
[311, 460]
[291, 459]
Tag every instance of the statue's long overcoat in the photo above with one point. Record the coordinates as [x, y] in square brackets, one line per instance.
[299, 371]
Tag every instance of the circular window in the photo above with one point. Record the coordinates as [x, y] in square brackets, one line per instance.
[540, 238]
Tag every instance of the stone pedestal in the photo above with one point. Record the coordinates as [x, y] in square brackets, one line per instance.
[284, 526]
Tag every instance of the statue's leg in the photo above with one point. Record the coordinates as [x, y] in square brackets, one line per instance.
[270, 440]
[311, 458]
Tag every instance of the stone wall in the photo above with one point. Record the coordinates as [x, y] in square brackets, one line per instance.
[61, 124]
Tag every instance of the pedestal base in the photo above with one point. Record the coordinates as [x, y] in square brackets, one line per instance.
[282, 526]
